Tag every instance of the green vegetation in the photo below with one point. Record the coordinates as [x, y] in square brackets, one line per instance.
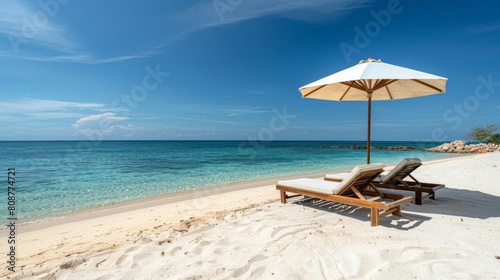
[487, 134]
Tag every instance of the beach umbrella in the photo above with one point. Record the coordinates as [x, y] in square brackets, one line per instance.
[374, 80]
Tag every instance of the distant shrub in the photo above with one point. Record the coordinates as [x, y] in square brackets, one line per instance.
[495, 138]
[485, 134]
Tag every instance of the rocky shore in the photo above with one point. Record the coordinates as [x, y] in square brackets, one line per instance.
[460, 146]
[394, 148]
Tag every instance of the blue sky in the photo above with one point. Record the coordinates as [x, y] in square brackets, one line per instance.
[231, 69]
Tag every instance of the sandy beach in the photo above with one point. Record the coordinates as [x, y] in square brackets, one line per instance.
[245, 232]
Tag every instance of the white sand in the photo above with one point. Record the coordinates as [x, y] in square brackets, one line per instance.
[454, 237]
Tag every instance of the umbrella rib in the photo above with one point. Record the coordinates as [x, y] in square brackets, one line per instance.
[383, 83]
[314, 90]
[389, 92]
[363, 84]
[427, 85]
[377, 84]
[342, 97]
[370, 84]
[353, 84]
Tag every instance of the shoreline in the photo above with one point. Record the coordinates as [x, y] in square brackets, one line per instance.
[37, 223]
[68, 244]
[152, 201]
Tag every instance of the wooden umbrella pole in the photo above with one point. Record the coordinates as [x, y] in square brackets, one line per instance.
[369, 127]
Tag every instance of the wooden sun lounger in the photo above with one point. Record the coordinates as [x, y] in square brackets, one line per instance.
[395, 180]
[356, 189]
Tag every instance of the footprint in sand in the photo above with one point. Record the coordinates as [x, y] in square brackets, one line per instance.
[72, 264]
[174, 250]
[145, 253]
[123, 260]
[106, 277]
[242, 270]
[288, 230]
[409, 254]
[201, 246]
[127, 258]
[446, 270]
[131, 249]
[145, 240]
[257, 273]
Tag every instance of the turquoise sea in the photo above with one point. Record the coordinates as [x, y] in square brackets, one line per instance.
[54, 178]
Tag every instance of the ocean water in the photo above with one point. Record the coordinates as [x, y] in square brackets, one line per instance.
[54, 178]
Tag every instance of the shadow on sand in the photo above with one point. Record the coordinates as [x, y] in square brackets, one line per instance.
[449, 202]
[405, 222]
[460, 203]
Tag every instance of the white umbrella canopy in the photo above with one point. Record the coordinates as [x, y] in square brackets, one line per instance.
[374, 80]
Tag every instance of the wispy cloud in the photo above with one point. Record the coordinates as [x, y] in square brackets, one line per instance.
[257, 92]
[34, 33]
[217, 114]
[190, 135]
[53, 115]
[483, 28]
[30, 105]
[263, 90]
[220, 110]
[246, 111]
[78, 58]
[24, 22]
[206, 120]
[30, 109]
[208, 14]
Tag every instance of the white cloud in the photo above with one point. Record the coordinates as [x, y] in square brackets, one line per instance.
[103, 125]
[126, 131]
[104, 118]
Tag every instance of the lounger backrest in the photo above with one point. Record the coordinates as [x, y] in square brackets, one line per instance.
[402, 170]
[359, 177]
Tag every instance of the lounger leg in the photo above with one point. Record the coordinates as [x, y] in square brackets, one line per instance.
[375, 218]
[418, 197]
[433, 195]
[398, 211]
[283, 196]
